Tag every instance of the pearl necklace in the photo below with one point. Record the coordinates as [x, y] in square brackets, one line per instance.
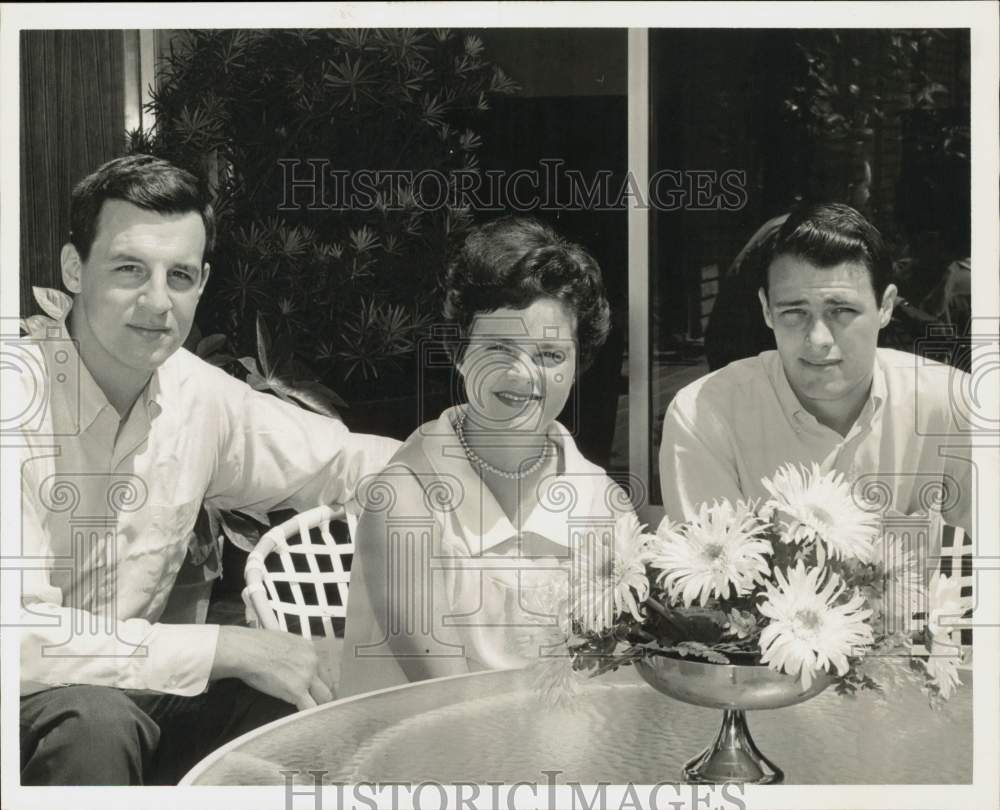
[483, 464]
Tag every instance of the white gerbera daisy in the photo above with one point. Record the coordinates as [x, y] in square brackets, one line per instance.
[544, 622]
[719, 553]
[942, 673]
[809, 631]
[666, 527]
[944, 606]
[818, 507]
[555, 679]
[611, 576]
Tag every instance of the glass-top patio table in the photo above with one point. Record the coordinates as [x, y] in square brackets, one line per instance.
[492, 727]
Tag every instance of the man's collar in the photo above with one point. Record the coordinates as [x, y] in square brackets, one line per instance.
[787, 398]
[796, 413]
[50, 329]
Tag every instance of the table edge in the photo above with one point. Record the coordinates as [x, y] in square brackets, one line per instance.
[212, 759]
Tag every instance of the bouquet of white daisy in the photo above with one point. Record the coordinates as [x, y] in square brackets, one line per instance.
[802, 582]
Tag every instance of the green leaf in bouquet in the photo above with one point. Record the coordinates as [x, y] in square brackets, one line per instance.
[701, 624]
[613, 662]
[854, 681]
[631, 631]
[713, 615]
[685, 624]
[742, 648]
[785, 555]
[742, 624]
[662, 623]
[696, 649]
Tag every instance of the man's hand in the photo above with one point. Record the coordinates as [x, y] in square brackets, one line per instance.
[279, 664]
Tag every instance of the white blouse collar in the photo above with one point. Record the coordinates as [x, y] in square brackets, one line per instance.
[569, 493]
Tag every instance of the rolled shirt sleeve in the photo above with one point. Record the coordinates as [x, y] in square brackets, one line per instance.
[273, 454]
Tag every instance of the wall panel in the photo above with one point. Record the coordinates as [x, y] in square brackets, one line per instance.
[72, 113]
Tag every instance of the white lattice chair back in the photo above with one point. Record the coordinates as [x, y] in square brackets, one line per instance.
[311, 590]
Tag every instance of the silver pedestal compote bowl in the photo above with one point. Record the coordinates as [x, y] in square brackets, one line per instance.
[735, 689]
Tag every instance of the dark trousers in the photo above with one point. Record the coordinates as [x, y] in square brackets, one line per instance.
[97, 735]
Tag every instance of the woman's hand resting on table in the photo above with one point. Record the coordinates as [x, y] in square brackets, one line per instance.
[279, 664]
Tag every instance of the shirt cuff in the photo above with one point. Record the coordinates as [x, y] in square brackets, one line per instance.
[182, 658]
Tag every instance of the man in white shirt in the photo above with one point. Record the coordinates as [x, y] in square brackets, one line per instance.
[133, 434]
[887, 420]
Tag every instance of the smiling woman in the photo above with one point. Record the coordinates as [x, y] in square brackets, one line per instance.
[518, 369]
[479, 512]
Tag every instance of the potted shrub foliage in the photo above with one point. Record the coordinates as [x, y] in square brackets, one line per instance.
[332, 156]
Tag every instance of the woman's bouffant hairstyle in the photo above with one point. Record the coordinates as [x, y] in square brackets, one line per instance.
[513, 262]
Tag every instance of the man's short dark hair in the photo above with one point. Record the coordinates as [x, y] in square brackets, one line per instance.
[144, 181]
[828, 234]
[514, 262]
